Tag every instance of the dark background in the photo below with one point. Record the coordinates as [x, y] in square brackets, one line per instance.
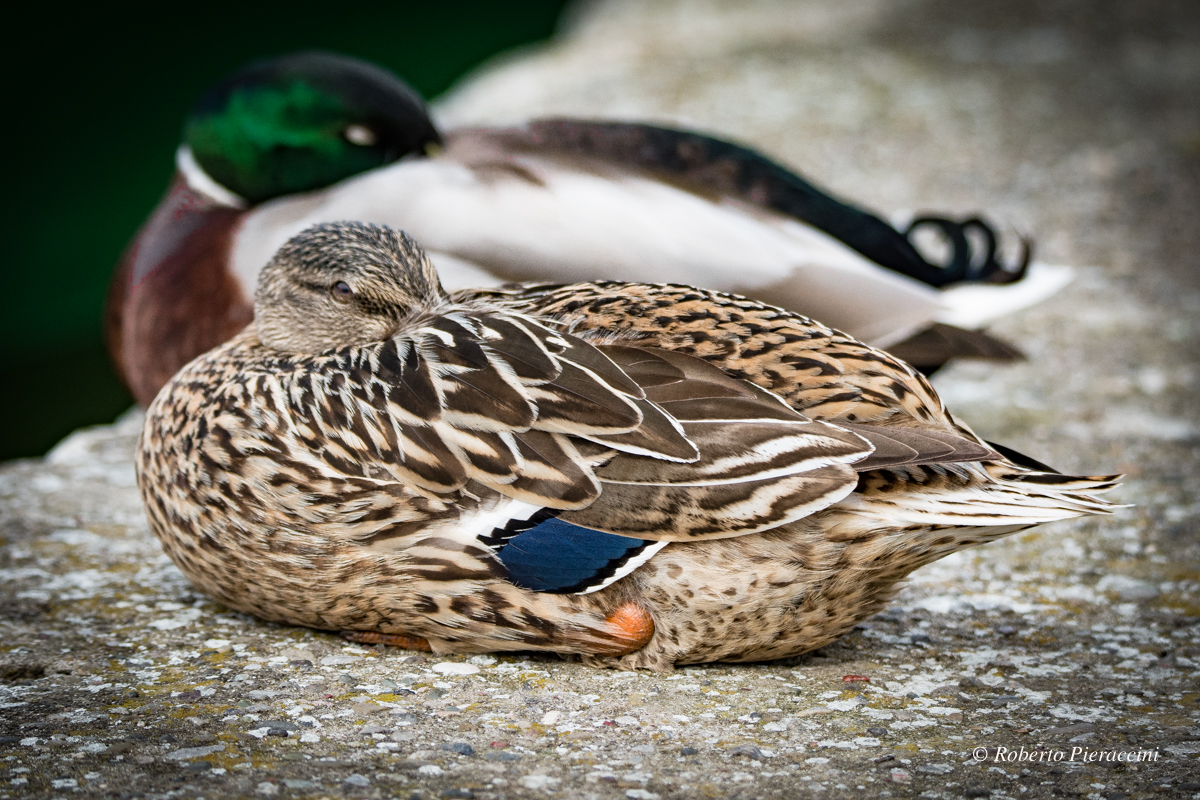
[94, 103]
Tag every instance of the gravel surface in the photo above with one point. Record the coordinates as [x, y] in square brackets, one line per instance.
[1026, 668]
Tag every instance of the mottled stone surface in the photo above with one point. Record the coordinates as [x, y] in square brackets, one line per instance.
[1078, 122]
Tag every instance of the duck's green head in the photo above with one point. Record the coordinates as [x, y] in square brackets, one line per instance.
[302, 122]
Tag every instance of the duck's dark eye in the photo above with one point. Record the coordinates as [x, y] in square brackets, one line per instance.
[342, 292]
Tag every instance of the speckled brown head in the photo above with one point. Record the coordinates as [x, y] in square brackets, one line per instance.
[342, 284]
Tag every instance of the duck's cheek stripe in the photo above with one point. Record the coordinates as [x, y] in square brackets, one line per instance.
[561, 558]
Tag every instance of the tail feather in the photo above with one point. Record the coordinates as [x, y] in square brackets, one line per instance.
[968, 495]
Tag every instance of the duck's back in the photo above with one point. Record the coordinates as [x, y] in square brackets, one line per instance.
[823, 373]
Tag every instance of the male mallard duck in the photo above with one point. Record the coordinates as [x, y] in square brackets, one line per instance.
[644, 475]
[309, 138]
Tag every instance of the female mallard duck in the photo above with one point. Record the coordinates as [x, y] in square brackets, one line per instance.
[644, 475]
[294, 141]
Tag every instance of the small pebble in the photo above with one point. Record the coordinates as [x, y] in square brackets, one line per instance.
[280, 727]
[461, 748]
[935, 769]
[335, 660]
[688, 751]
[539, 782]
[747, 750]
[455, 668]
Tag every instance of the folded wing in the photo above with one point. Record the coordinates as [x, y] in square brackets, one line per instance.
[639, 442]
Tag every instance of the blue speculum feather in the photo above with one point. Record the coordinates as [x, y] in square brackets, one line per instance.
[561, 558]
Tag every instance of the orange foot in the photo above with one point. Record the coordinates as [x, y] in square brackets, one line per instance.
[632, 628]
[391, 639]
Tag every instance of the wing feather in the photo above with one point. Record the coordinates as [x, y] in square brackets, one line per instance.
[553, 473]
[412, 391]
[579, 403]
[675, 448]
[901, 446]
[733, 452]
[643, 365]
[659, 436]
[688, 513]
[696, 378]
[728, 408]
[487, 456]
[427, 461]
[574, 350]
[523, 351]
[486, 399]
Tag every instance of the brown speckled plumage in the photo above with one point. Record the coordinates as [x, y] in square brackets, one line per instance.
[330, 490]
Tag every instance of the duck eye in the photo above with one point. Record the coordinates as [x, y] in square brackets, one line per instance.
[360, 135]
[342, 292]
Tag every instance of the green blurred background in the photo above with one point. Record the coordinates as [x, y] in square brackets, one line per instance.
[95, 100]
